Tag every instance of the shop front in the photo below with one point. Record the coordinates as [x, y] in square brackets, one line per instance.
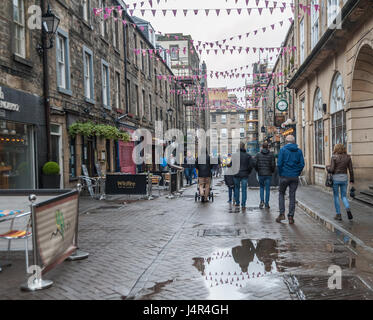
[22, 139]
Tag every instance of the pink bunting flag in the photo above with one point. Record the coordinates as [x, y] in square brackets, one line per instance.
[195, 11]
[207, 12]
[257, 2]
[142, 12]
[260, 11]
[151, 3]
[228, 11]
[217, 11]
[174, 12]
[164, 12]
[153, 12]
[239, 10]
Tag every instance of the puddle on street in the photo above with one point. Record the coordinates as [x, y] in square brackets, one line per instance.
[228, 271]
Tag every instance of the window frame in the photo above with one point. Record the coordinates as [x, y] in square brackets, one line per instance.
[61, 34]
[176, 52]
[19, 25]
[301, 41]
[319, 153]
[315, 23]
[105, 65]
[91, 99]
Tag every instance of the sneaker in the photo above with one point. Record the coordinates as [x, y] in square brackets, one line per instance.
[267, 206]
[229, 201]
[291, 220]
[243, 209]
[280, 218]
[261, 205]
[349, 214]
[338, 217]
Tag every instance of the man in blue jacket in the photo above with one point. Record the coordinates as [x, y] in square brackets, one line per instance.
[290, 165]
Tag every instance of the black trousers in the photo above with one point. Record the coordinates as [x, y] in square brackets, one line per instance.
[292, 183]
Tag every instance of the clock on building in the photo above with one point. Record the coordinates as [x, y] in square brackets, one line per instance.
[282, 105]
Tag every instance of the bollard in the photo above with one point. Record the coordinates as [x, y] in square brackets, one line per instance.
[36, 282]
[78, 254]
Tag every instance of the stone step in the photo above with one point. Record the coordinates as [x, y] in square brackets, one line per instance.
[365, 199]
[371, 187]
[368, 193]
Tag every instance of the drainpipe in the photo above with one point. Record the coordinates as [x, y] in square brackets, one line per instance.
[125, 66]
[46, 85]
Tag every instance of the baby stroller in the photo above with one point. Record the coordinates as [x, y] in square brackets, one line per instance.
[206, 184]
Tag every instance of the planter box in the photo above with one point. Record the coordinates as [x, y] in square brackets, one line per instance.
[51, 181]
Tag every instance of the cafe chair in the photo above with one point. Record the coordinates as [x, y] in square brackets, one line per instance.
[156, 181]
[23, 234]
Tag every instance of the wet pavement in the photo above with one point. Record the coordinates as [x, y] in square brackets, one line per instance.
[182, 249]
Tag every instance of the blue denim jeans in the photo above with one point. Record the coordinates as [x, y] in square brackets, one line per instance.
[240, 183]
[265, 182]
[230, 193]
[342, 186]
[188, 175]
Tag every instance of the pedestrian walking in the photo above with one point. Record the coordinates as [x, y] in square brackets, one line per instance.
[340, 163]
[189, 163]
[241, 178]
[204, 176]
[265, 166]
[290, 166]
[229, 182]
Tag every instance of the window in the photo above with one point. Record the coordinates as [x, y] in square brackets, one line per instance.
[155, 81]
[19, 28]
[223, 118]
[319, 127]
[338, 115]
[150, 108]
[88, 75]
[86, 10]
[213, 118]
[314, 23]
[72, 159]
[143, 104]
[105, 84]
[224, 133]
[116, 30]
[301, 40]
[63, 62]
[242, 118]
[117, 90]
[174, 51]
[166, 89]
[156, 114]
[242, 132]
[142, 56]
[333, 9]
[137, 101]
[303, 126]
[103, 23]
[135, 46]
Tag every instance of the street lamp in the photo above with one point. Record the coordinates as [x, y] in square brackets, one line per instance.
[50, 23]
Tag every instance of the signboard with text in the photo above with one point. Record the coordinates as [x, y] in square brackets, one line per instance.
[126, 184]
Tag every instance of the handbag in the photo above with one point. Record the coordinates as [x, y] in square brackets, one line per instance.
[329, 180]
[352, 192]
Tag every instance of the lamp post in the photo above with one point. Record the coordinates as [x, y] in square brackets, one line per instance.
[50, 23]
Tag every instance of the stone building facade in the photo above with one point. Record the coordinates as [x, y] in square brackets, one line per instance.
[333, 85]
[225, 116]
[94, 76]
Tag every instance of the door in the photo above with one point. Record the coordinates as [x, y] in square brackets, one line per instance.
[125, 156]
[56, 148]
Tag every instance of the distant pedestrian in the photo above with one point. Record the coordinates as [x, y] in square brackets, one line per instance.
[290, 166]
[189, 163]
[265, 166]
[203, 166]
[242, 177]
[340, 163]
[229, 181]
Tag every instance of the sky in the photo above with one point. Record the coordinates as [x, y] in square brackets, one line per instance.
[213, 28]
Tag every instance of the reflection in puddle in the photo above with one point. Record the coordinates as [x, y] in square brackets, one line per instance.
[227, 271]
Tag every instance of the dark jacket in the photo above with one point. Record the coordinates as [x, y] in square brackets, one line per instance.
[290, 161]
[246, 163]
[265, 163]
[228, 179]
[204, 170]
[340, 164]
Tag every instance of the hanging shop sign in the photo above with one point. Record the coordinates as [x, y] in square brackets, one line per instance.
[6, 105]
[282, 105]
[287, 132]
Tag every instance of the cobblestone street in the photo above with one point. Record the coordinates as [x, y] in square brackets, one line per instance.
[182, 249]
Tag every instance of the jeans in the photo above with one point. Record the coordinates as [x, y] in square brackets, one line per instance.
[240, 183]
[265, 182]
[292, 183]
[230, 193]
[188, 175]
[340, 185]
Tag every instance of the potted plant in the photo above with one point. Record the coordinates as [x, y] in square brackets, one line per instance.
[51, 175]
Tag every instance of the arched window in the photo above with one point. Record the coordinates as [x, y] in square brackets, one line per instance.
[338, 115]
[319, 127]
